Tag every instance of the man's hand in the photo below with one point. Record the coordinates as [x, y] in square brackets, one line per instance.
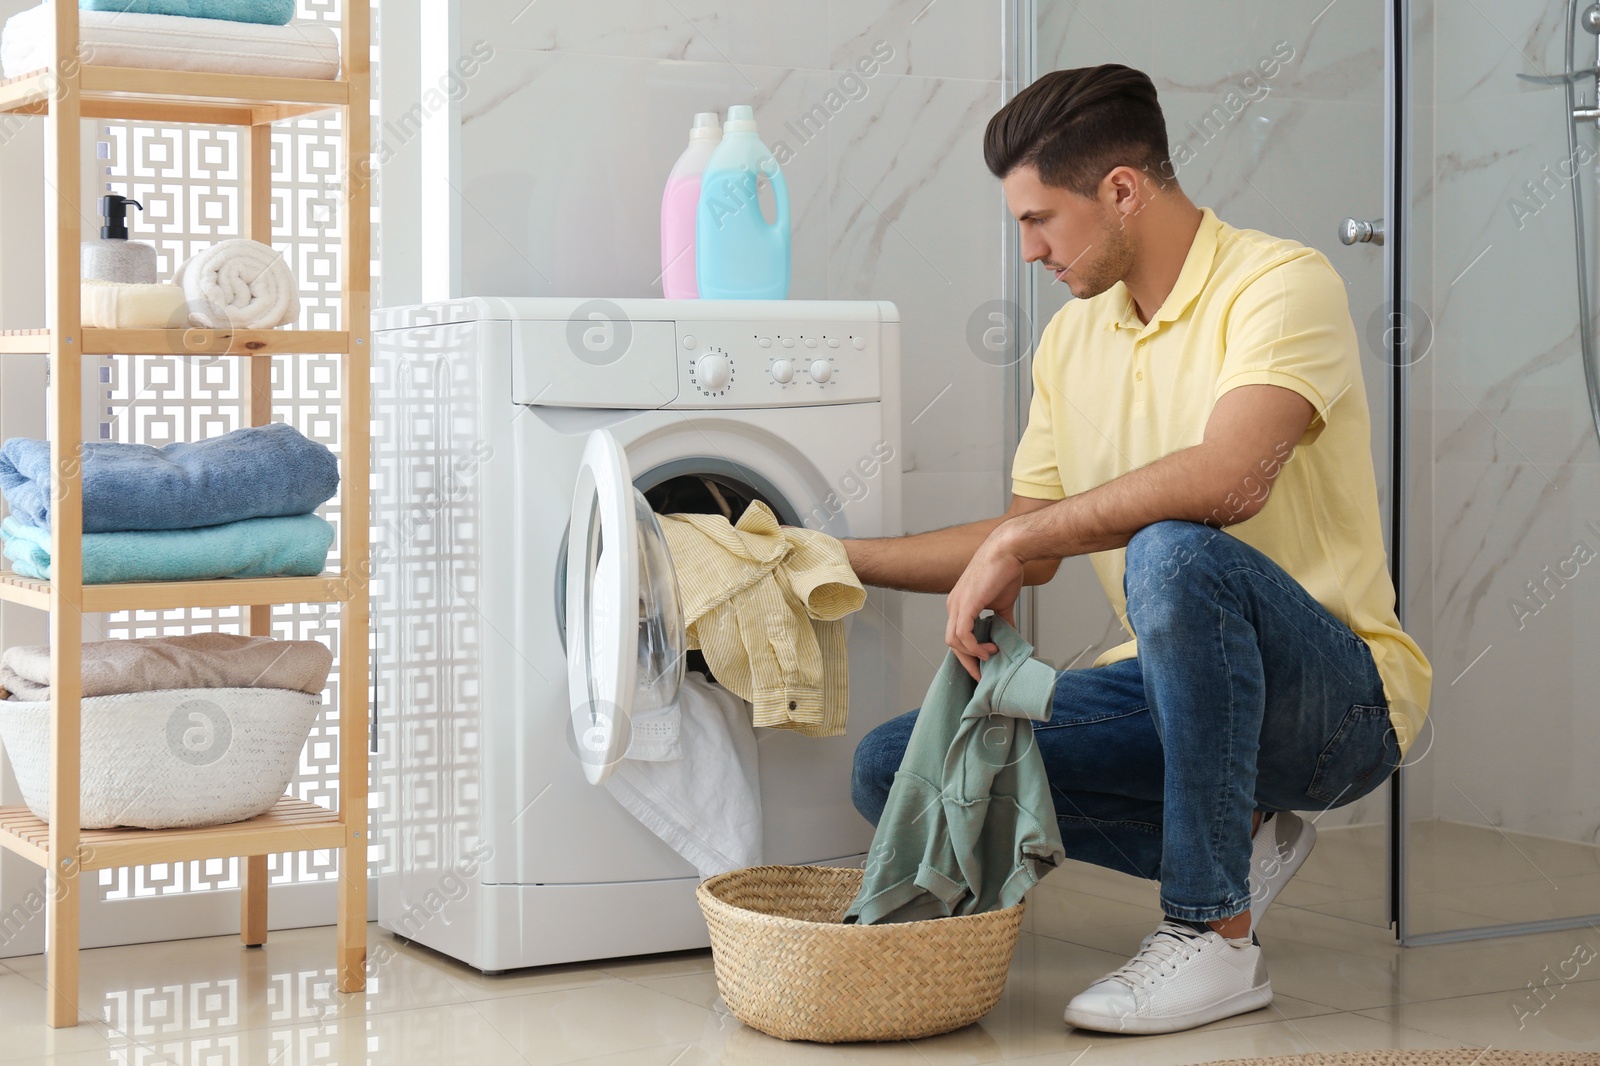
[991, 581]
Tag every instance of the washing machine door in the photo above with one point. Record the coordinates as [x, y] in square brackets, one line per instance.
[625, 634]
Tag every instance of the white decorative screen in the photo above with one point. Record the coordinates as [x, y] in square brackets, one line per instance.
[428, 451]
[189, 179]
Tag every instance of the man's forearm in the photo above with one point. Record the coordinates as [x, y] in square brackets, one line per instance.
[921, 562]
[1185, 485]
[930, 562]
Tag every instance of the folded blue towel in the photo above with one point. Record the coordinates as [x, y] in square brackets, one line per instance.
[256, 472]
[266, 12]
[256, 547]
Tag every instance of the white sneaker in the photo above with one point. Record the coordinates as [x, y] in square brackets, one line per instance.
[1180, 978]
[1279, 848]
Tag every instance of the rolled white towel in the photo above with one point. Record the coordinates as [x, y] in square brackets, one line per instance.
[239, 284]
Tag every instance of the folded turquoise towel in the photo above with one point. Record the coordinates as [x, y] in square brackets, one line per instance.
[266, 12]
[257, 547]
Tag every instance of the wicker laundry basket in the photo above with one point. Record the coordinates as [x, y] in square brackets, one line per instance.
[168, 758]
[786, 966]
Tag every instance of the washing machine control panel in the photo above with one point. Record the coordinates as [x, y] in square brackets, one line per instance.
[774, 364]
[695, 354]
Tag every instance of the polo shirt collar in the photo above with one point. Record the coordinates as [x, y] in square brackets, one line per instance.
[1191, 280]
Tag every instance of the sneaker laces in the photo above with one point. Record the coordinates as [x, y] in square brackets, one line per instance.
[1159, 955]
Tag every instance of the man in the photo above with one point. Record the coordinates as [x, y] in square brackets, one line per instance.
[1199, 428]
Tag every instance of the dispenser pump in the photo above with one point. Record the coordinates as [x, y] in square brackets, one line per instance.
[113, 257]
[115, 208]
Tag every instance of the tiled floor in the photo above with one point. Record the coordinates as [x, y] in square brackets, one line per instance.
[1340, 983]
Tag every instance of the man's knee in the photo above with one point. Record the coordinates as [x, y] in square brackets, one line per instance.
[876, 761]
[1171, 538]
[1163, 552]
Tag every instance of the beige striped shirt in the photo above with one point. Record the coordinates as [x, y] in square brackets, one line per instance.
[765, 604]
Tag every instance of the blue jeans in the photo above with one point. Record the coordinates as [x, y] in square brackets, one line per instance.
[1246, 694]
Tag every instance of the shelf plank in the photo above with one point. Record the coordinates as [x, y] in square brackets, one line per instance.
[248, 90]
[239, 342]
[270, 113]
[27, 94]
[23, 590]
[179, 95]
[215, 341]
[20, 832]
[135, 109]
[330, 587]
[25, 342]
[291, 825]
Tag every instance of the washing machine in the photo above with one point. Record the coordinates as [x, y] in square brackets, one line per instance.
[521, 449]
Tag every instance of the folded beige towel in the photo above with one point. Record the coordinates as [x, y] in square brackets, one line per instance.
[199, 660]
[121, 305]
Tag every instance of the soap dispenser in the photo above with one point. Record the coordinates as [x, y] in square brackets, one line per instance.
[113, 257]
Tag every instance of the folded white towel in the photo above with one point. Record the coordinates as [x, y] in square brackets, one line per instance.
[119, 305]
[173, 42]
[238, 284]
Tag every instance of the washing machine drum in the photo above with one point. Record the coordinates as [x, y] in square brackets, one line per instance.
[625, 631]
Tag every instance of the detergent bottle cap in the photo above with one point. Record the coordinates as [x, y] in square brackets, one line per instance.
[741, 119]
[706, 127]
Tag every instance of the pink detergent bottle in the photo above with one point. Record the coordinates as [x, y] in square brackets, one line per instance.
[678, 206]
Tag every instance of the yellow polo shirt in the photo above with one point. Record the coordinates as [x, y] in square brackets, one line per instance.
[1112, 393]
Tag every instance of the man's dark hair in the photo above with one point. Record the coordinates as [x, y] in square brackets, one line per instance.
[1075, 126]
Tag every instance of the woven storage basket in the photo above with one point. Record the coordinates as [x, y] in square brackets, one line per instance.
[170, 758]
[786, 966]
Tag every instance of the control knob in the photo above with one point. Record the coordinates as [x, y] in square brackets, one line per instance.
[713, 371]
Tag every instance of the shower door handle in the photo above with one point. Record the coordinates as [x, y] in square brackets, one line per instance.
[1355, 231]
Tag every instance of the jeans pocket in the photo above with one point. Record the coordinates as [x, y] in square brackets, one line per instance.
[1358, 758]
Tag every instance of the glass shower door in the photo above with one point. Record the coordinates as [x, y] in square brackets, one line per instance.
[1276, 120]
[1501, 803]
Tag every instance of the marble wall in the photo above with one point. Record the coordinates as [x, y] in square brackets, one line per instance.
[1515, 473]
[567, 134]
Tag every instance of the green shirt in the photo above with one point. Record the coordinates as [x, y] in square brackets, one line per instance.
[969, 826]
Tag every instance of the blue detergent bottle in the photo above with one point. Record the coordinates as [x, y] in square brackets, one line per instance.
[739, 255]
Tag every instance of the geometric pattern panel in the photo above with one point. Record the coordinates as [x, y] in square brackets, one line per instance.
[426, 542]
[189, 179]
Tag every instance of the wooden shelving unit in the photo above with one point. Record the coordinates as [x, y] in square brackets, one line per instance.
[63, 96]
